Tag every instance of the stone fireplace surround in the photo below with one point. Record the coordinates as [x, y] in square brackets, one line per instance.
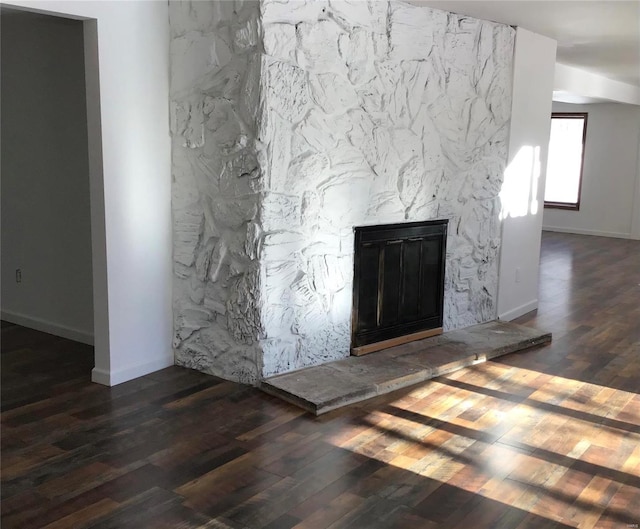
[293, 122]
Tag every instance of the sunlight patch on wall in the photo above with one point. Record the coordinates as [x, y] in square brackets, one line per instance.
[520, 187]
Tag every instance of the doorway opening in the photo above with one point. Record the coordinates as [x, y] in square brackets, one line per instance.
[49, 182]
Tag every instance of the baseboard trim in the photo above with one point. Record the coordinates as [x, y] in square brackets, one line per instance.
[113, 378]
[519, 311]
[596, 233]
[100, 376]
[47, 326]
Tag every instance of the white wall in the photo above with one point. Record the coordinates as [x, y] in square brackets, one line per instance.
[610, 177]
[374, 113]
[574, 85]
[523, 188]
[46, 228]
[130, 182]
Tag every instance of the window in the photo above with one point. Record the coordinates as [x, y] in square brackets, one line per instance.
[566, 155]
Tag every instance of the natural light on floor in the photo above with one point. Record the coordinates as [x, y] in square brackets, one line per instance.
[515, 444]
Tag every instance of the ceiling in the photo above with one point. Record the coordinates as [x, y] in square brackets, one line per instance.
[599, 36]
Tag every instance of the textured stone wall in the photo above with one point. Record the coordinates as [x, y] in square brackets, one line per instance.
[374, 112]
[215, 77]
[293, 122]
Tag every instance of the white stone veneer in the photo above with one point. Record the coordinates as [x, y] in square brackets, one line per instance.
[215, 77]
[371, 112]
[375, 112]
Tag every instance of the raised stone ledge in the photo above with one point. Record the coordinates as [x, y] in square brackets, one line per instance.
[323, 388]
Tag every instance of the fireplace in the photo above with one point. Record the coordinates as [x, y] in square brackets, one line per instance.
[264, 252]
[398, 286]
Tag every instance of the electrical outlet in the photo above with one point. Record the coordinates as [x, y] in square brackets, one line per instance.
[18, 275]
[518, 275]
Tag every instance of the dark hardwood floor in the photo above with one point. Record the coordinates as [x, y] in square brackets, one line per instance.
[541, 439]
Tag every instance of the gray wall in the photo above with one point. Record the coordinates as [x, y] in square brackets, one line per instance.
[45, 176]
[610, 177]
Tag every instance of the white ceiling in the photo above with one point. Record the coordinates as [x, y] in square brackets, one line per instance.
[600, 36]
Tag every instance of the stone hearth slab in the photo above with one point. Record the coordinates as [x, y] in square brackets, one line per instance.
[320, 389]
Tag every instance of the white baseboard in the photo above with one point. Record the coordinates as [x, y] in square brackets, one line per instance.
[113, 378]
[48, 326]
[519, 311]
[596, 233]
[100, 376]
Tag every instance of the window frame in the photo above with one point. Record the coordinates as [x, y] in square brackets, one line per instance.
[573, 206]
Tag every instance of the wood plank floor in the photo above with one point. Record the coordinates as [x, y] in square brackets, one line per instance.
[541, 439]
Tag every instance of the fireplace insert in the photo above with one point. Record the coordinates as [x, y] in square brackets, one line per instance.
[398, 285]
